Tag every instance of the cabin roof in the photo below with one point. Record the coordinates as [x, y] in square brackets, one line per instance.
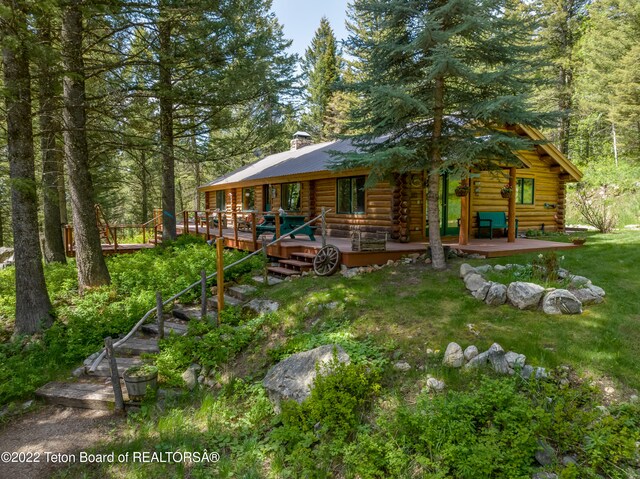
[317, 158]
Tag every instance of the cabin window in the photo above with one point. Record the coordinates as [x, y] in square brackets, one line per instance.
[351, 194]
[248, 199]
[221, 202]
[291, 196]
[524, 191]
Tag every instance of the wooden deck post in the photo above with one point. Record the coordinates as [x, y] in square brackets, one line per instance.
[463, 236]
[323, 224]
[254, 235]
[511, 225]
[277, 217]
[195, 220]
[208, 226]
[234, 217]
[160, 315]
[115, 238]
[220, 275]
[220, 235]
[185, 222]
[203, 295]
[115, 376]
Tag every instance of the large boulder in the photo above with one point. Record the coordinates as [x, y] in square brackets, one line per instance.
[497, 295]
[525, 295]
[466, 269]
[498, 360]
[478, 361]
[484, 268]
[474, 281]
[470, 352]
[292, 378]
[561, 301]
[576, 281]
[263, 306]
[453, 356]
[481, 292]
[586, 296]
[597, 290]
[515, 360]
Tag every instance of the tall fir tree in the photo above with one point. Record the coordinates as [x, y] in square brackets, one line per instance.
[321, 72]
[440, 81]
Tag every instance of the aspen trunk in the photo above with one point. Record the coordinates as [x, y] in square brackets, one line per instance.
[433, 196]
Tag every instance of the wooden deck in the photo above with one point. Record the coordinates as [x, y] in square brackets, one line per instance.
[498, 247]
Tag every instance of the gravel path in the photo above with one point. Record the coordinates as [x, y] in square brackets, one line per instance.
[53, 429]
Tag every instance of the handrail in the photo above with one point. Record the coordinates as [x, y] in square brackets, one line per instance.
[102, 354]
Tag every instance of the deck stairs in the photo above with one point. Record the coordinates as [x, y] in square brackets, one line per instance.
[296, 265]
[93, 390]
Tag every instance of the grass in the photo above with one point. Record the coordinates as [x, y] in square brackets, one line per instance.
[411, 313]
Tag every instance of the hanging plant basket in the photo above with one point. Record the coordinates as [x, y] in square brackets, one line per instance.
[506, 191]
[462, 190]
[505, 194]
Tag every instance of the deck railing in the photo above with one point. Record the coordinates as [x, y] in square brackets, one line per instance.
[205, 278]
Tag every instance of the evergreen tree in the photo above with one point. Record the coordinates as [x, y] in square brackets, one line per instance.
[441, 79]
[321, 69]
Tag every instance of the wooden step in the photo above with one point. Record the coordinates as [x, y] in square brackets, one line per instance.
[300, 265]
[271, 280]
[103, 369]
[135, 346]
[228, 301]
[82, 394]
[243, 292]
[187, 312]
[277, 270]
[304, 256]
[178, 328]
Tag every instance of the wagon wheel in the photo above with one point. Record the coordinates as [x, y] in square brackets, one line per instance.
[327, 261]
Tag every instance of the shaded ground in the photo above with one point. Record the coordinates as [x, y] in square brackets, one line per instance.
[53, 429]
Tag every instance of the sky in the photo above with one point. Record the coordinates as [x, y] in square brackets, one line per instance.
[301, 18]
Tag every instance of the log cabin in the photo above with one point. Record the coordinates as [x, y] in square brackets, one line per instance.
[300, 182]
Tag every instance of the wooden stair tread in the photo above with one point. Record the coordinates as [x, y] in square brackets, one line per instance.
[282, 271]
[296, 263]
[86, 395]
[103, 369]
[304, 255]
[138, 346]
[178, 328]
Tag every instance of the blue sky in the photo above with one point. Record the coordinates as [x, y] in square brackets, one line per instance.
[301, 18]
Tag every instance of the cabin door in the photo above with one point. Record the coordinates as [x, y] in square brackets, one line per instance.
[450, 208]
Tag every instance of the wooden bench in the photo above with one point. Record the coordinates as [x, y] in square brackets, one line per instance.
[288, 223]
[493, 220]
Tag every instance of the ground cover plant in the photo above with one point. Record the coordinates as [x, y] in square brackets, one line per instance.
[371, 421]
[83, 321]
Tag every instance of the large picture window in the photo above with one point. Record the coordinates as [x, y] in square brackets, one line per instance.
[221, 202]
[525, 191]
[351, 195]
[291, 196]
[248, 199]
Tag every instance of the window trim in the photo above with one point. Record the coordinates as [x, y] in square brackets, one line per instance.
[222, 193]
[364, 201]
[282, 195]
[520, 191]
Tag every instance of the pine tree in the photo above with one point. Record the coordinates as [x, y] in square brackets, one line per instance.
[321, 69]
[440, 81]
[33, 307]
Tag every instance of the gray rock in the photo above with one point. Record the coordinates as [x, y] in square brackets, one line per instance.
[453, 356]
[435, 385]
[561, 301]
[499, 268]
[27, 404]
[481, 292]
[263, 306]
[579, 281]
[271, 280]
[402, 366]
[483, 269]
[515, 359]
[292, 378]
[497, 295]
[586, 296]
[351, 273]
[498, 360]
[541, 373]
[187, 312]
[474, 281]
[201, 379]
[479, 361]
[562, 273]
[544, 475]
[566, 460]
[466, 269]
[597, 290]
[545, 453]
[5, 253]
[525, 295]
[470, 352]
[190, 376]
[527, 371]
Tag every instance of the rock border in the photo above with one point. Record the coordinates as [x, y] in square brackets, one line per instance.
[531, 296]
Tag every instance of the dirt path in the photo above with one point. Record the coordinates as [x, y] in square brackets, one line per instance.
[53, 429]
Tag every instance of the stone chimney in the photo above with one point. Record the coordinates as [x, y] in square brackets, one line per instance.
[300, 140]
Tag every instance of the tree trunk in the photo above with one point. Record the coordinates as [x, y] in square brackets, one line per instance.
[49, 128]
[33, 308]
[433, 195]
[145, 188]
[166, 130]
[92, 269]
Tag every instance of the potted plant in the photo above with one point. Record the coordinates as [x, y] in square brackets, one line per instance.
[506, 191]
[462, 190]
[578, 240]
[139, 379]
